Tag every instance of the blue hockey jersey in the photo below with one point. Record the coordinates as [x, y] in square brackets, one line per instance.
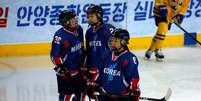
[97, 44]
[67, 48]
[118, 72]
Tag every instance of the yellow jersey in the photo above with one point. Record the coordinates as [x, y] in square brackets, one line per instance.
[174, 7]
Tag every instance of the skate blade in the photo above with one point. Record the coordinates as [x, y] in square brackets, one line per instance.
[145, 58]
[159, 60]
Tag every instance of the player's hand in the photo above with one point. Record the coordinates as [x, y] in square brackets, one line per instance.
[59, 71]
[178, 18]
[92, 74]
[91, 88]
[91, 91]
[62, 71]
[135, 94]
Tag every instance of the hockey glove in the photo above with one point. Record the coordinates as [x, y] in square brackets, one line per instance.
[178, 18]
[91, 92]
[61, 70]
[135, 95]
[92, 76]
[134, 90]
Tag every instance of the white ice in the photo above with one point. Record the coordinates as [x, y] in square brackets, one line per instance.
[32, 78]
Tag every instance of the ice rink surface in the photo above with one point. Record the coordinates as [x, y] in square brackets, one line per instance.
[32, 78]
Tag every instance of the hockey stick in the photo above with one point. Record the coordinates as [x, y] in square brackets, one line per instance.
[187, 32]
[165, 98]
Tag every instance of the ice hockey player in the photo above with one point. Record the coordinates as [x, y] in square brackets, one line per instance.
[97, 37]
[67, 54]
[120, 75]
[165, 12]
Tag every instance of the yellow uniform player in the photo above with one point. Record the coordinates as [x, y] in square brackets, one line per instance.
[165, 12]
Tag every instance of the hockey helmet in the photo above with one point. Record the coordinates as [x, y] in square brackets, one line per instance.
[65, 16]
[95, 9]
[122, 34]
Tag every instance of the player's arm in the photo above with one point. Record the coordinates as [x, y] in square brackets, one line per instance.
[159, 2]
[87, 48]
[87, 41]
[58, 46]
[108, 33]
[92, 72]
[178, 18]
[132, 72]
[83, 50]
[132, 76]
[184, 7]
[56, 50]
[83, 56]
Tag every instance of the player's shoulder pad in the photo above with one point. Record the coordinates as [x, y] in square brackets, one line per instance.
[107, 52]
[59, 32]
[133, 58]
[108, 27]
[131, 55]
[89, 30]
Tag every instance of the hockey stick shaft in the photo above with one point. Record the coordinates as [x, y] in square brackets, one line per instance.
[165, 98]
[141, 98]
[152, 99]
[187, 33]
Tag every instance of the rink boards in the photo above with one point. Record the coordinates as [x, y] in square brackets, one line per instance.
[136, 43]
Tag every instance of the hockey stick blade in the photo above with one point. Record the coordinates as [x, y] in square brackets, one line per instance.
[168, 94]
[165, 98]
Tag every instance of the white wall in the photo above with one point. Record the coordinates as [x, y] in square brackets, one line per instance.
[19, 11]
